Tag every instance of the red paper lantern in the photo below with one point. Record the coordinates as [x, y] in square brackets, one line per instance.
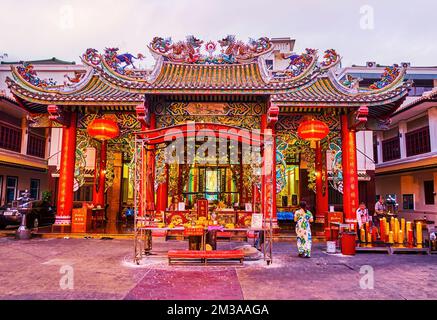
[312, 130]
[103, 129]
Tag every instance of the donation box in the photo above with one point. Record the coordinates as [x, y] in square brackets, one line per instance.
[334, 217]
[81, 219]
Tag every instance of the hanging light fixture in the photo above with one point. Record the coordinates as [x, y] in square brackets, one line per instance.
[312, 130]
[103, 129]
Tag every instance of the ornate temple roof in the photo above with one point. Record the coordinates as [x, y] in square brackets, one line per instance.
[112, 78]
[91, 92]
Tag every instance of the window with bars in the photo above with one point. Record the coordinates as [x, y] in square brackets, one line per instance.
[391, 149]
[10, 138]
[35, 188]
[418, 141]
[36, 146]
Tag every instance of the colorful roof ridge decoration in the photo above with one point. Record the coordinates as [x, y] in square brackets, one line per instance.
[233, 51]
[181, 68]
[390, 74]
[29, 74]
[301, 65]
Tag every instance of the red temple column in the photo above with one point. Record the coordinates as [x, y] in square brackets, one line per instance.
[263, 177]
[321, 185]
[100, 177]
[150, 171]
[66, 173]
[350, 172]
[268, 189]
[162, 192]
[274, 215]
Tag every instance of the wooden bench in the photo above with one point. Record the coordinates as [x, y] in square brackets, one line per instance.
[203, 256]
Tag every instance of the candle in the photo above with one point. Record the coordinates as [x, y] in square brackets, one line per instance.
[419, 234]
[409, 225]
[390, 237]
[401, 237]
[382, 228]
[403, 226]
[362, 235]
[410, 237]
[392, 224]
[367, 228]
[387, 230]
[369, 237]
[374, 234]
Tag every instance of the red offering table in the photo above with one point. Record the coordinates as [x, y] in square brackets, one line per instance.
[144, 231]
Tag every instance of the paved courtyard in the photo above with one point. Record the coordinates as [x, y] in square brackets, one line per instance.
[102, 269]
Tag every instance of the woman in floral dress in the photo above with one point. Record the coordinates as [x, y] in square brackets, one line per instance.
[303, 217]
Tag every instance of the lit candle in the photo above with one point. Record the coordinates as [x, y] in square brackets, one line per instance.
[362, 235]
[396, 230]
[369, 237]
[419, 233]
[382, 228]
[409, 225]
[401, 237]
[367, 228]
[387, 230]
[403, 226]
[390, 237]
[392, 224]
[374, 234]
[410, 237]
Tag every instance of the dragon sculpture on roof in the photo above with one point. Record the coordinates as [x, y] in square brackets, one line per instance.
[188, 51]
[27, 72]
[389, 76]
[182, 51]
[119, 62]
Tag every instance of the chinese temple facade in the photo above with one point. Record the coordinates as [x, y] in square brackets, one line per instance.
[208, 88]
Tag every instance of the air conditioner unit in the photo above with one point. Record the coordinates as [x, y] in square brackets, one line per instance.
[371, 64]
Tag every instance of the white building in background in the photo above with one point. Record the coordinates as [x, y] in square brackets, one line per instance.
[406, 153]
[407, 157]
[29, 157]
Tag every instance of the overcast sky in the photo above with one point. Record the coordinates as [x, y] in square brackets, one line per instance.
[385, 31]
